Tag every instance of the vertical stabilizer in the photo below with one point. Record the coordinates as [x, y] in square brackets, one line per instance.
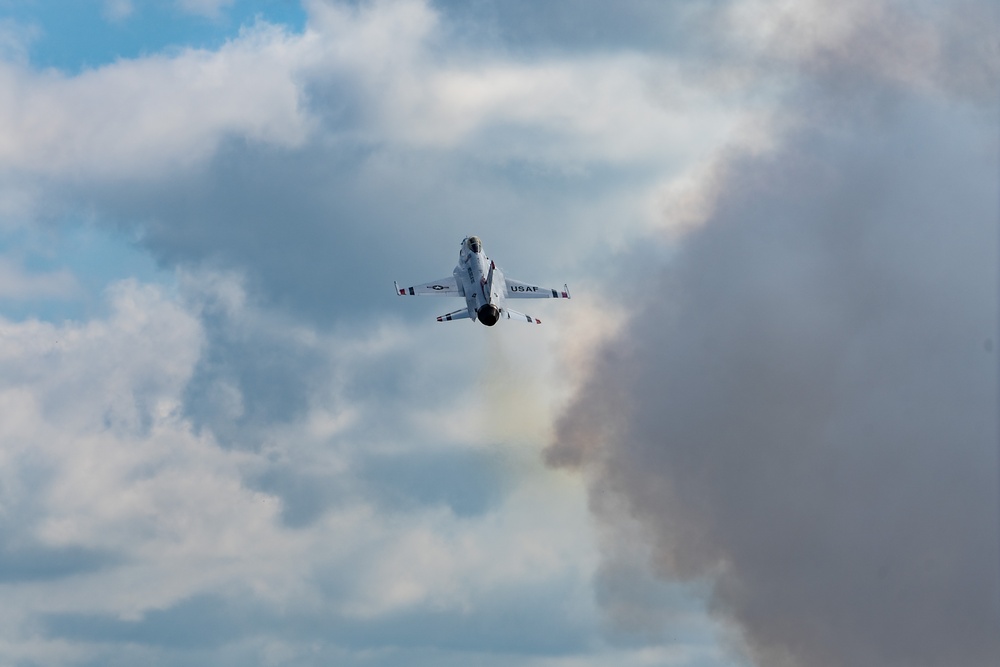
[488, 290]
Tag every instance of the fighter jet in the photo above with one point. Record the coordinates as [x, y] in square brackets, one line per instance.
[484, 287]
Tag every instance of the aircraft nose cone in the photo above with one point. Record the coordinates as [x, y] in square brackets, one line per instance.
[488, 314]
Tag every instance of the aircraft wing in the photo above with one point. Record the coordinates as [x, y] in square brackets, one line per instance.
[519, 290]
[443, 287]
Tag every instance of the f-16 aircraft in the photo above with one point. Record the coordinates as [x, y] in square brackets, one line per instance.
[484, 287]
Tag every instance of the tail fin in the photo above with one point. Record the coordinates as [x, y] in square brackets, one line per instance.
[489, 281]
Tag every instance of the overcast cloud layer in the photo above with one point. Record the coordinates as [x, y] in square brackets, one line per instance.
[224, 441]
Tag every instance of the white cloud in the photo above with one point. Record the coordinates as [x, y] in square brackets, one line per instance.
[369, 99]
[18, 284]
[139, 117]
[207, 8]
[167, 113]
[164, 113]
[610, 107]
[118, 10]
[15, 38]
[97, 455]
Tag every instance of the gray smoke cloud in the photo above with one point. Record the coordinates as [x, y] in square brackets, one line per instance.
[802, 411]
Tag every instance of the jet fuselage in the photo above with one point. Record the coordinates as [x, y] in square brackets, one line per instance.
[482, 282]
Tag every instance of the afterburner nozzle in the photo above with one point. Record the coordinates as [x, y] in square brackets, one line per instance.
[488, 314]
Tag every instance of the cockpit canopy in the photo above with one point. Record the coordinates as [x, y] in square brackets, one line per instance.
[474, 244]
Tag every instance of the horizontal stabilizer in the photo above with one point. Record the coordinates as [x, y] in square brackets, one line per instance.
[514, 315]
[461, 314]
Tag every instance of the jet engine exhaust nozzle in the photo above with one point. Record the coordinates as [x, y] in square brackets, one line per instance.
[488, 315]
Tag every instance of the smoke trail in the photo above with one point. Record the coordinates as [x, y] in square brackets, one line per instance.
[805, 413]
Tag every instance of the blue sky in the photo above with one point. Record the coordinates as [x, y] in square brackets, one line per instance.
[225, 441]
[91, 33]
